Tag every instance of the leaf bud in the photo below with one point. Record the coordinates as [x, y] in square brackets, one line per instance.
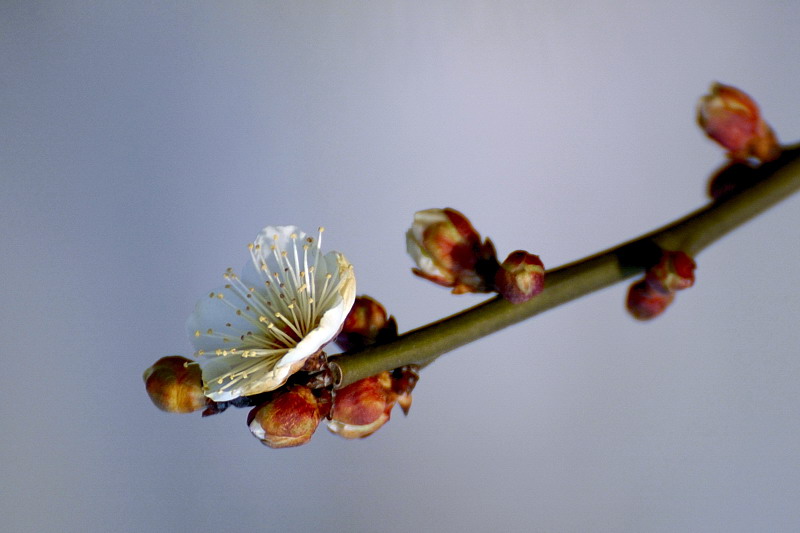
[175, 385]
[290, 418]
[520, 277]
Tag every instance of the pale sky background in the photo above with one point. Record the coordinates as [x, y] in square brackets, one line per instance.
[143, 144]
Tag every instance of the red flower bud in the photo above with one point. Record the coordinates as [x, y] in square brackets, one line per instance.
[175, 385]
[520, 277]
[674, 272]
[646, 302]
[448, 251]
[366, 324]
[290, 418]
[732, 178]
[732, 119]
[361, 408]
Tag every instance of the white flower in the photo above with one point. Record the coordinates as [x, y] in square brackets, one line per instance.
[260, 328]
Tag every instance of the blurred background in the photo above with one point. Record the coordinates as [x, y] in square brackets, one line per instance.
[143, 144]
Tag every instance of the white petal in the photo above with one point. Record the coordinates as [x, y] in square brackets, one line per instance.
[207, 325]
[425, 219]
[262, 375]
[421, 259]
[233, 366]
[252, 274]
[331, 321]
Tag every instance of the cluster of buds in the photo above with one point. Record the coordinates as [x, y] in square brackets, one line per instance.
[448, 251]
[289, 415]
[292, 414]
[649, 297]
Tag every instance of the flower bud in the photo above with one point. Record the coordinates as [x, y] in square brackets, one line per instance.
[674, 272]
[290, 418]
[361, 408]
[734, 177]
[448, 251]
[646, 302]
[732, 119]
[175, 385]
[366, 324]
[520, 277]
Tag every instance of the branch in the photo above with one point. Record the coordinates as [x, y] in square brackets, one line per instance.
[773, 182]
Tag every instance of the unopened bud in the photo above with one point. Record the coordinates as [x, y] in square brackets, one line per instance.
[175, 385]
[674, 272]
[732, 119]
[520, 277]
[646, 302]
[448, 251]
[366, 324]
[290, 418]
[734, 177]
[361, 408]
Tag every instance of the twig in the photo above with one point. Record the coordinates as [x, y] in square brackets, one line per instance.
[772, 182]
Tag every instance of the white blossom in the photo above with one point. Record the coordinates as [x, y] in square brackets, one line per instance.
[260, 328]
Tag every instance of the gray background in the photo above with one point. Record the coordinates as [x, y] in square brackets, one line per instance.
[143, 144]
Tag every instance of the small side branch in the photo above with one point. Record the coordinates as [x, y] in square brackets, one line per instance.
[693, 233]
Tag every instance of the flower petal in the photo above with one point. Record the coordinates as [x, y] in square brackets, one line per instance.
[257, 330]
[331, 321]
[215, 324]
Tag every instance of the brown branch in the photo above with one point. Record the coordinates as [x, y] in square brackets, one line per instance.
[772, 183]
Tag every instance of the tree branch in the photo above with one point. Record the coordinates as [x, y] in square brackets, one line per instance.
[773, 182]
